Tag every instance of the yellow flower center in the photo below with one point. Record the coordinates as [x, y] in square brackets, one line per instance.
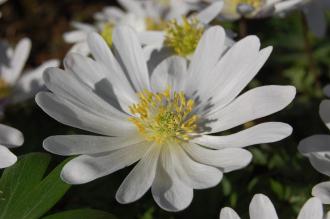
[152, 24]
[183, 38]
[106, 33]
[5, 89]
[162, 117]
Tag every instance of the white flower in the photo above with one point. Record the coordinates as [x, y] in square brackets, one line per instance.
[9, 138]
[262, 208]
[149, 18]
[16, 85]
[317, 149]
[236, 9]
[161, 119]
[315, 12]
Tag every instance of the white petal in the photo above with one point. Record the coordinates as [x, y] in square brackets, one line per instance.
[67, 145]
[170, 72]
[311, 209]
[317, 149]
[126, 43]
[256, 103]
[193, 174]
[6, 157]
[102, 53]
[151, 37]
[168, 191]
[322, 191]
[206, 15]
[205, 57]
[228, 213]
[263, 133]
[95, 75]
[261, 208]
[67, 86]
[227, 159]
[31, 82]
[325, 112]
[69, 114]
[86, 168]
[17, 61]
[233, 77]
[326, 90]
[10, 137]
[80, 48]
[75, 36]
[140, 179]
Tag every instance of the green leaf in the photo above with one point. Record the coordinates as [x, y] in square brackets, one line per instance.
[25, 195]
[81, 213]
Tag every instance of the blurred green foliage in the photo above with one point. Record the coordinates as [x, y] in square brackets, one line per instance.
[277, 170]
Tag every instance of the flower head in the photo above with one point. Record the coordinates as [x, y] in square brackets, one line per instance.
[15, 84]
[9, 138]
[161, 119]
[317, 149]
[261, 208]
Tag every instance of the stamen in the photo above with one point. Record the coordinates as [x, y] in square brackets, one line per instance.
[183, 38]
[243, 7]
[107, 33]
[162, 117]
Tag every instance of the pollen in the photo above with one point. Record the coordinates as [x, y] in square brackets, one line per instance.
[5, 89]
[106, 33]
[153, 24]
[183, 38]
[233, 5]
[164, 117]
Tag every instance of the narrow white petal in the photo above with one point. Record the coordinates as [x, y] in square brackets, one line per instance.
[256, 103]
[134, 7]
[261, 208]
[140, 179]
[170, 72]
[228, 213]
[326, 90]
[75, 36]
[67, 86]
[102, 53]
[311, 209]
[316, 18]
[211, 12]
[263, 133]
[70, 114]
[67, 145]
[325, 112]
[205, 57]
[322, 191]
[168, 190]
[7, 158]
[86, 168]
[10, 137]
[193, 174]
[227, 159]
[17, 61]
[126, 43]
[229, 79]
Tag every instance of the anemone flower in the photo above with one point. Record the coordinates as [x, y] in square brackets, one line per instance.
[162, 119]
[317, 149]
[262, 208]
[17, 85]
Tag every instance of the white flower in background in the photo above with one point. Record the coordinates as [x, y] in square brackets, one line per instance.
[161, 119]
[262, 208]
[9, 138]
[1, 2]
[149, 18]
[315, 12]
[236, 9]
[17, 85]
[317, 149]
